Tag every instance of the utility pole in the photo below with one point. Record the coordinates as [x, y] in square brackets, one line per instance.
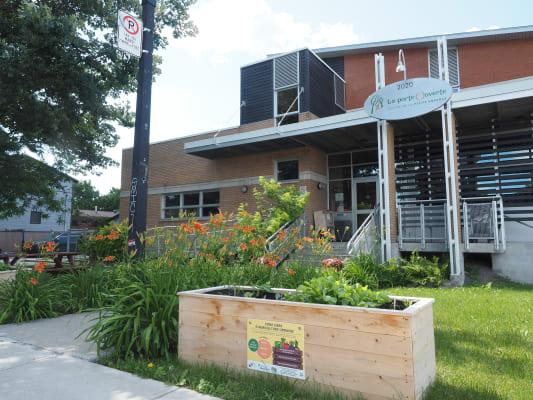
[141, 146]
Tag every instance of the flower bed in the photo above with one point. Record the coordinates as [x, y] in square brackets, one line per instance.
[381, 353]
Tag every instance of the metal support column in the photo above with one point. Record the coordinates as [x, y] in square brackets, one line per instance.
[383, 157]
[141, 146]
[450, 163]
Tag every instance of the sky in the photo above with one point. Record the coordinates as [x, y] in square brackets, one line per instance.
[199, 87]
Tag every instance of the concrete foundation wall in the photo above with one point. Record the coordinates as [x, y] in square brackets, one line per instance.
[516, 263]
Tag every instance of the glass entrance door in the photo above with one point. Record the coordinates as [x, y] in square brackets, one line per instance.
[364, 192]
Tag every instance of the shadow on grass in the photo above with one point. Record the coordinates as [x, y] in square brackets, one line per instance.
[441, 390]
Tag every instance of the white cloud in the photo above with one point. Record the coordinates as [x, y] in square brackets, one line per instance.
[250, 26]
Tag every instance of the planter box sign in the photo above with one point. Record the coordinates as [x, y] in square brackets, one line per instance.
[276, 347]
[408, 99]
[379, 353]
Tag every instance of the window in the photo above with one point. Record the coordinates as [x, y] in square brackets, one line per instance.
[35, 217]
[287, 170]
[200, 204]
[286, 81]
[453, 66]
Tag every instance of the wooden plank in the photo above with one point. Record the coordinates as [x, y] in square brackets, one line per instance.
[340, 338]
[351, 370]
[358, 319]
[424, 368]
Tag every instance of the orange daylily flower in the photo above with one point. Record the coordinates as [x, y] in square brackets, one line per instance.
[40, 266]
[246, 230]
[243, 247]
[292, 272]
[225, 239]
[27, 245]
[50, 247]
[109, 258]
[34, 281]
[98, 237]
[253, 242]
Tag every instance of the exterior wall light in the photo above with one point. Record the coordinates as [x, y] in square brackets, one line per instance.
[244, 188]
[320, 186]
[401, 64]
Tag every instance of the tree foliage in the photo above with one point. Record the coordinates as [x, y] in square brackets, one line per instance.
[61, 86]
[86, 197]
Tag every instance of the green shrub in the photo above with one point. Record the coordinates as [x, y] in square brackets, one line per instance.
[416, 270]
[142, 315]
[363, 270]
[31, 296]
[88, 288]
[327, 290]
[107, 244]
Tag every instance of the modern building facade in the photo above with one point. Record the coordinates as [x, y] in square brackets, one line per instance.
[466, 167]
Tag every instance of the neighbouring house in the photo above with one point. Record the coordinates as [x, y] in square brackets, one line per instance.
[93, 219]
[37, 223]
[302, 123]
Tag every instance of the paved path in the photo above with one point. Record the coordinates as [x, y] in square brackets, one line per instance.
[43, 360]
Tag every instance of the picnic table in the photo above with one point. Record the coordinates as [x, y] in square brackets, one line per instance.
[12, 258]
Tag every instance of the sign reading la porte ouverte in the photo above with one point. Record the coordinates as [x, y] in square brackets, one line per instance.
[408, 99]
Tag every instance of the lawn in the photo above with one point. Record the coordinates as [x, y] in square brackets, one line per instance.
[484, 350]
[483, 339]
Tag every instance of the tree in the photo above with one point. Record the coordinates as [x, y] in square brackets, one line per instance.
[86, 197]
[60, 87]
[110, 201]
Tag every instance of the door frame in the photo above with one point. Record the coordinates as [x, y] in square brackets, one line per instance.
[355, 210]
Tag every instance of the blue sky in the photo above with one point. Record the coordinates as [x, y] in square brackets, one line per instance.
[198, 89]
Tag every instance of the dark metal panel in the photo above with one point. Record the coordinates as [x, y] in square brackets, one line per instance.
[257, 91]
[304, 80]
[336, 64]
[321, 87]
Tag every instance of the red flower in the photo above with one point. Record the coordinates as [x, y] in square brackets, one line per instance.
[27, 245]
[246, 230]
[243, 247]
[109, 258]
[198, 226]
[99, 237]
[186, 228]
[253, 242]
[225, 239]
[292, 272]
[34, 281]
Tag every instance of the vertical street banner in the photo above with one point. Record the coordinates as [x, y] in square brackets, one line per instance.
[130, 33]
[276, 348]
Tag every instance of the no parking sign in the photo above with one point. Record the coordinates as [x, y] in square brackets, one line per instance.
[130, 33]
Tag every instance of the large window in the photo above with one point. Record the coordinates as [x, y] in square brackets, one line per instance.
[200, 204]
[287, 170]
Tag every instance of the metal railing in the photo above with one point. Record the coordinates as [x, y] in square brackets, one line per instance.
[422, 221]
[159, 244]
[367, 236]
[280, 240]
[483, 222]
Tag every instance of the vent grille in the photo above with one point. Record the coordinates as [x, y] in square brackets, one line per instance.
[453, 66]
[340, 93]
[286, 70]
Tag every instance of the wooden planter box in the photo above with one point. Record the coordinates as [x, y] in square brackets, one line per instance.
[382, 354]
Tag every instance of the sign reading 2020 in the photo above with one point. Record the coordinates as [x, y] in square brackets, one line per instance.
[408, 99]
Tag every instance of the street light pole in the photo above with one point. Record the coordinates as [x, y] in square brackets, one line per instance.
[139, 170]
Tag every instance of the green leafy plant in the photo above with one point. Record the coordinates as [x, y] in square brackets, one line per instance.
[30, 296]
[107, 244]
[327, 290]
[142, 315]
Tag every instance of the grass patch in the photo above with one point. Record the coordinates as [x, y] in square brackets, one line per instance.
[483, 339]
[225, 383]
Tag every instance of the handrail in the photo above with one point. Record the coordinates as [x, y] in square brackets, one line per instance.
[496, 234]
[269, 244]
[362, 232]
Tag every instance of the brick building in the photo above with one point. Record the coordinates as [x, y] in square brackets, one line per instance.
[302, 123]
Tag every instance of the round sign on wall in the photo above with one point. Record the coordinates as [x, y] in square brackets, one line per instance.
[408, 99]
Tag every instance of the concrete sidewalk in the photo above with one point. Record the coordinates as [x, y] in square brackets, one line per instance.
[43, 360]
